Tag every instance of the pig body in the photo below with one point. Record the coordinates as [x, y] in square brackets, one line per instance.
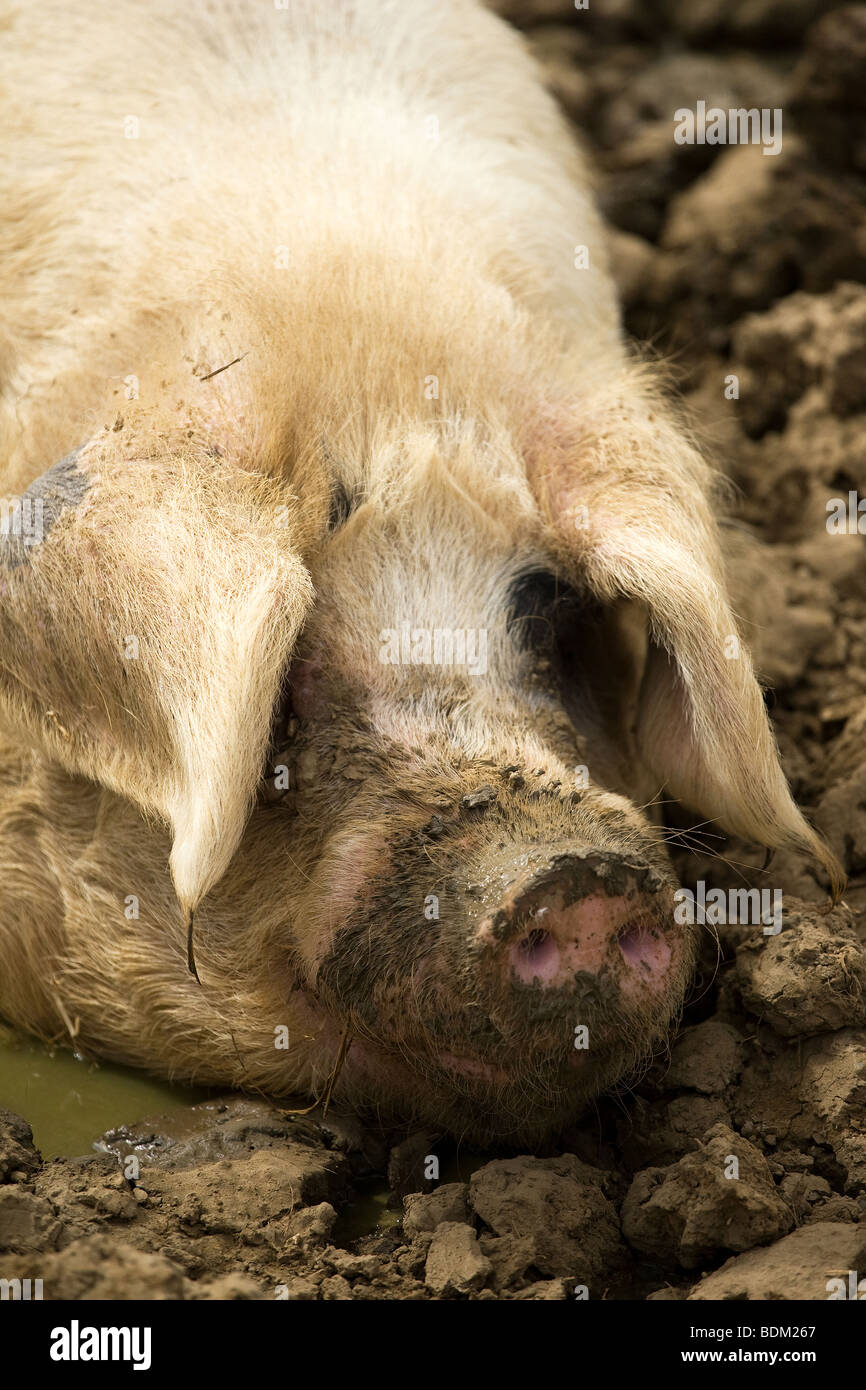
[377, 591]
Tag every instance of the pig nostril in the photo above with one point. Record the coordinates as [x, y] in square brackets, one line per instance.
[628, 940]
[535, 956]
[644, 948]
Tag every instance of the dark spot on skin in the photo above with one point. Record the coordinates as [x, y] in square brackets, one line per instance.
[343, 501]
[42, 503]
[342, 506]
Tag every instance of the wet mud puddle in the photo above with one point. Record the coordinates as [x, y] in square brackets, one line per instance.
[70, 1101]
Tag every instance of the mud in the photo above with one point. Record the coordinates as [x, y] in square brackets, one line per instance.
[736, 1168]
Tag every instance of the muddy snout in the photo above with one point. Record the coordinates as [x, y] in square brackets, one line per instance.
[574, 920]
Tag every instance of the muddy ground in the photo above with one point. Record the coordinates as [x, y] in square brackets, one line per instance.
[737, 265]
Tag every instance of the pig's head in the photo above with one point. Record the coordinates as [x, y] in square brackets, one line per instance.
[504, 666]
[474, 673]
[489, 913]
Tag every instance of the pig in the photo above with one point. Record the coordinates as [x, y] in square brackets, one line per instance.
[361, 592]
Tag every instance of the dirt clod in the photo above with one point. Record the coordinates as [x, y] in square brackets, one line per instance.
[721, 1197]
[811, 978]
[19, 1158]
[558, 1207]
[455, 1264]
[798, 1267]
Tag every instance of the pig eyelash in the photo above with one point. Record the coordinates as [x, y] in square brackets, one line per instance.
[342, 504]
[539, 604]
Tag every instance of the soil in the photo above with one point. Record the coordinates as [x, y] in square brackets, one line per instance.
[736, 1168]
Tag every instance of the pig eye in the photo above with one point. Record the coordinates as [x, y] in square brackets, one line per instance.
[541, 607]
[590, 654]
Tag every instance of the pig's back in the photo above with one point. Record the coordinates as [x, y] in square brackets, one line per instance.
[129, 129]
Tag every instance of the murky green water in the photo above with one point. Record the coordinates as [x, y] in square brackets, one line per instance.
[371, 1213]
[368, 1215]
[70, 1102]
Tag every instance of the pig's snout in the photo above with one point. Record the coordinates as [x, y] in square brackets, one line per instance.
[551, 970]
[578, 916]
[556, 939]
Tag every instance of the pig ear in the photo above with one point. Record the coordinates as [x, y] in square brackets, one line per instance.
[148, 612]
[631, 504]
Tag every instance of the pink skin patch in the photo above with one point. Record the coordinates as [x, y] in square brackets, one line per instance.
[304, 684]
[535, 957]
[564, 940]
[474, 1070]
[645, 949]
[341, 885]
